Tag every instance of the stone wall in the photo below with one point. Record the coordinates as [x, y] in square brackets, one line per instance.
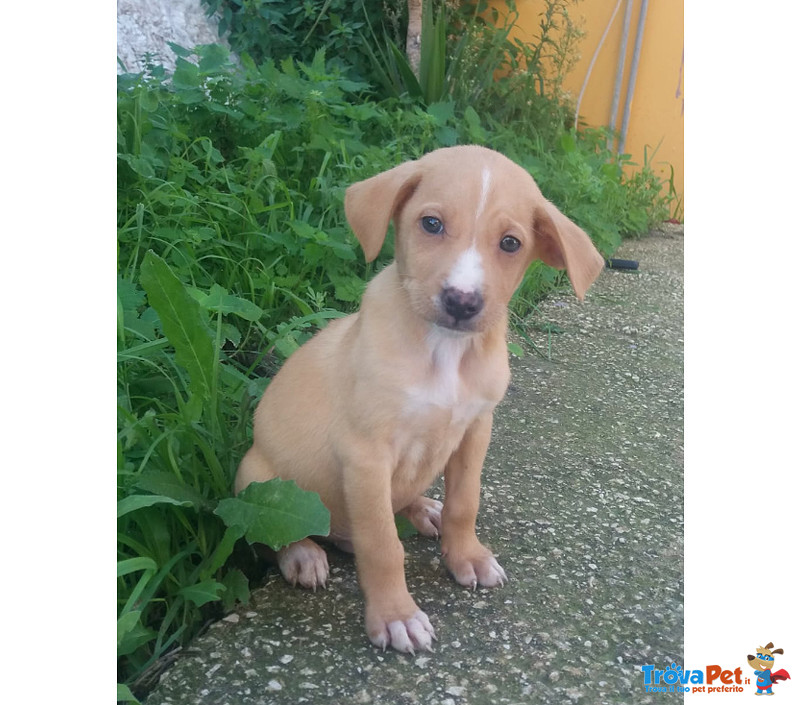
[146, 26]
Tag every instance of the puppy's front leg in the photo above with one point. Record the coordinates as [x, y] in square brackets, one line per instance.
[468, 560]
[392, 617]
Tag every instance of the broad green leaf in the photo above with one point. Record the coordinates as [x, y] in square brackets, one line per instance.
[129, 294]
[219, 300]
[182, 321]
[124, 694]
[203, 592]
[516, 350]
[185, 75]
[183, 52]
[192, 410]
[201, 233]
[141, 165]
[568, 143]
[287, 344]
[131, 633]
[348, 288]
[476, 132]
[342, 250]
[276, 513]
[237, 588]
[234, 335]
[233, 379]
[126, 623]
[404, 527]
[212, 57]
[137, 501]
[170, 234]
[304, 230]
[284, 241]
[446, 135]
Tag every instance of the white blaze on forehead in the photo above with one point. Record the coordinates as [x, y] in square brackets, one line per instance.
[486, 182]
[467, 272]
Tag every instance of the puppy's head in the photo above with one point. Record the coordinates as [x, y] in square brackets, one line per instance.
[468, 223]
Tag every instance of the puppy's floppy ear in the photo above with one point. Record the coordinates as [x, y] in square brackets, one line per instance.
[560, 243]
[370, 204]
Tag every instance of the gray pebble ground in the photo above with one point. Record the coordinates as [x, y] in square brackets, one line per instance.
[582, 504]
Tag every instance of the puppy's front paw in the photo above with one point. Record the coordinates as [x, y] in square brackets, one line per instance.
[476, 567]
[304, 562]
[405, 635]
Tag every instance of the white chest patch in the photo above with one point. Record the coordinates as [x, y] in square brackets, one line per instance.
[444, 388]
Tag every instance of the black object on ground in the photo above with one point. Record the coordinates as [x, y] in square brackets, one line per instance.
[629, 264]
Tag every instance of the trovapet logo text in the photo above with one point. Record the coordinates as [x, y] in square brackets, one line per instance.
[712, 679]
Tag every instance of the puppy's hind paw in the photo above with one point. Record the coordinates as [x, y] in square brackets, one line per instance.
[304, 563]
[426, 516]
[406, 636]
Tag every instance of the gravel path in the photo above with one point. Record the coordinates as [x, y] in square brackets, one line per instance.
[582, 504]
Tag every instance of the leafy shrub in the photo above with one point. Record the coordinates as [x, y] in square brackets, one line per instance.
[230, 246]
[266, 29]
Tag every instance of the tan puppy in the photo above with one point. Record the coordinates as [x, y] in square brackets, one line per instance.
[374, 407]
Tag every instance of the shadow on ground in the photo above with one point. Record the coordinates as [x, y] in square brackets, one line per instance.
[582, 504]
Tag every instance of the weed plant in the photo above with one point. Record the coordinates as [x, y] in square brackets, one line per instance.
[233, 250]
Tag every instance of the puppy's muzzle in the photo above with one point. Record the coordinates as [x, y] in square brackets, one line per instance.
[461, 306]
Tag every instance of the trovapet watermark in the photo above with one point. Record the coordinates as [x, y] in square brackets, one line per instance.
[708, 680]
[717, 679]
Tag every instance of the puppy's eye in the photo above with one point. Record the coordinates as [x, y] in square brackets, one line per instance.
[432, 225]
[510, 244]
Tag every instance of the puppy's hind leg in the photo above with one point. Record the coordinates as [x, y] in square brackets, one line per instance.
[426, 516]
[302, 562]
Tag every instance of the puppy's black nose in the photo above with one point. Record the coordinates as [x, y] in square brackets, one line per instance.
[461, 305]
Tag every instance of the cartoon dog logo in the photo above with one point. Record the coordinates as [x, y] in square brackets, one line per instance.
[762, 663]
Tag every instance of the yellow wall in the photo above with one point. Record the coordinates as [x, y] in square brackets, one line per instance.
[657, 107]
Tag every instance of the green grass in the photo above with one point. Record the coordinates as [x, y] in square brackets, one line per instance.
[232, 251]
